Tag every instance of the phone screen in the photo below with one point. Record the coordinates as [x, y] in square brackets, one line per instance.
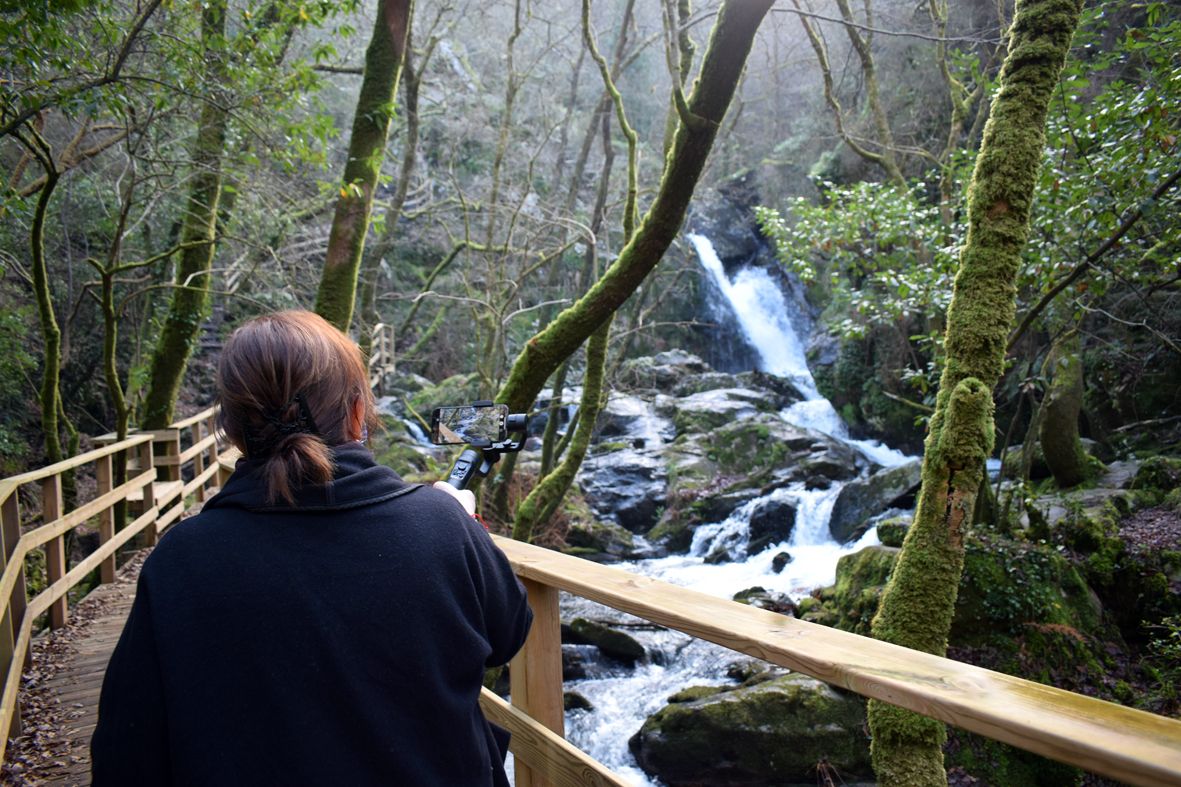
[478, 424]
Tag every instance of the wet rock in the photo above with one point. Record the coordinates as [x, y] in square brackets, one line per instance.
[612, 642]
[709, 410]
[713, 474]
[780, 561]
[627, 487]
[632, 418]
[709, 381]
[783, 389]
[771, 522]
[766, 599]
[861, 499]
[772, 733]
[572, 700]
[600, 541]
[661, 372]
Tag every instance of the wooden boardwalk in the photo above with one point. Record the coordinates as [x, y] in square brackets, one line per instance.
[60, 699]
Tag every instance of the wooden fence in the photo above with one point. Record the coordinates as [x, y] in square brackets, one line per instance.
[1102, 737]
[166, 470]
[184, 460]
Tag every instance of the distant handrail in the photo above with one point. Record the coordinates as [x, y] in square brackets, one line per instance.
[159, 485]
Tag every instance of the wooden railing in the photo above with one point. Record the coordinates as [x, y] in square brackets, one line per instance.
[1108, 739]
[165, 471]
[381, 354]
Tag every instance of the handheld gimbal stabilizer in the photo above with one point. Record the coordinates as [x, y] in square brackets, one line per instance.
[485, 427]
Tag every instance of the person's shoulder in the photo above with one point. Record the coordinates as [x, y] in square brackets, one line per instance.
[185, 541]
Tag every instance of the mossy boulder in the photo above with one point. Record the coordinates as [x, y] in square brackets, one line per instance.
[707, 381]
[1158, 475]
[892, 531]
[456, 389]
[394, 447]
[1007, 584]
[612, 642]
[775, 732]
[661, 372]
[853, 601]
[599, 540]
[709, 410]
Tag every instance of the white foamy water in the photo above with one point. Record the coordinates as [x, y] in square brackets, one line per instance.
[623, 698]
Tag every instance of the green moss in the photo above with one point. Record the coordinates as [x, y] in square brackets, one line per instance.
[998, 763]
[693, 693]
[775, 732]
[454, 390]
[892, 531]
[1007, 584]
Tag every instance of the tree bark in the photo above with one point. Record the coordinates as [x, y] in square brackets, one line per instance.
[51, 335]
[1058, 431]
[919, 600]
[190, 298]
[725, 57]
[371, 125]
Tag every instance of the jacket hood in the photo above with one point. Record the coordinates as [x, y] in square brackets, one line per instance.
[358, 480]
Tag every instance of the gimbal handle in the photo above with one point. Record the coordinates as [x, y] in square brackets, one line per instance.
[471, 463]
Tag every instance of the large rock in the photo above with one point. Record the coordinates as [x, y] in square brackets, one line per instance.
[771, 522]
[661, 372]
[774, 732]
[711, 474]
[627, 487]
[709, 410]
[611, 642]
[631, 419]
[867, 497]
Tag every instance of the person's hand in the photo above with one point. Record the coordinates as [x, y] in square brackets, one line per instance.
[466, 497]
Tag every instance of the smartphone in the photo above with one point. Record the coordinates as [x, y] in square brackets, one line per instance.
[479, 423]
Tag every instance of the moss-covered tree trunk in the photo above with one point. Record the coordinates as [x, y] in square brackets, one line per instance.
[1058, 431]
[721, 67]
[371, 125]
[51, 335]
[190, 298]
[544, 499]
[371, 270]
[919, 601]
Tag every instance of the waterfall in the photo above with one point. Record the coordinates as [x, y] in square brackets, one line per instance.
[624, 698]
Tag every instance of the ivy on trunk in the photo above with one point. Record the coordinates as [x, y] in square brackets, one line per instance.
[919, 600]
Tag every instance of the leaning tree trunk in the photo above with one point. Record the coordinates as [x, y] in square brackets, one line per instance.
[725, 57]
[917, 606]
[371, 125]
[190, 298]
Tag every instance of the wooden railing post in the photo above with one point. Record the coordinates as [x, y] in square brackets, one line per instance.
[55, 549]
[535, 673]
[146, 458]
[14, 615]
[104, 475]
[198, 462]
[167, 459]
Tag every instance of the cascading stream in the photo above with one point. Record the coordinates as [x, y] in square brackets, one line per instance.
[623, 698]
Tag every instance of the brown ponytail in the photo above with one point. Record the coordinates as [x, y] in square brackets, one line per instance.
[288, 384]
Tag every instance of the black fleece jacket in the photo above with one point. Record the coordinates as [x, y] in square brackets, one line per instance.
[342, 640]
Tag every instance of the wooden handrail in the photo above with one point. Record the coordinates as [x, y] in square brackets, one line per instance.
[1109, 739]
[1102, 737]
[164, 471]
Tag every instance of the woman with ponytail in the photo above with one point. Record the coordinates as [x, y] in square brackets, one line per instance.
[320, 621]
